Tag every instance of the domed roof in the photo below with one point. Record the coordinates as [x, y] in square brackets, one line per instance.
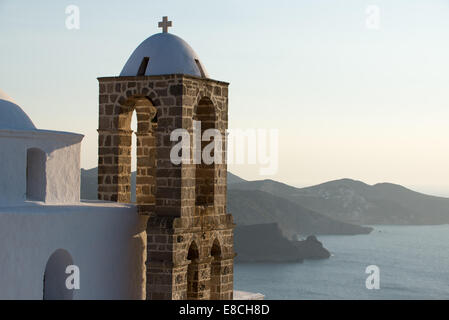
[164, 53]
[12, 117]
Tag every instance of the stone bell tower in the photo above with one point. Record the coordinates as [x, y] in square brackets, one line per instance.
[189, 248]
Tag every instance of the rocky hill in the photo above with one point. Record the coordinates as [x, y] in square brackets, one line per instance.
[356, 202]
[266, 243]
[250, 207]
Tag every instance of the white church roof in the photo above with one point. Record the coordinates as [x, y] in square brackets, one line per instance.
[12, 117]
[164, 53]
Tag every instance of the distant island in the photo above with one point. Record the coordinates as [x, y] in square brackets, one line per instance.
[266, 243]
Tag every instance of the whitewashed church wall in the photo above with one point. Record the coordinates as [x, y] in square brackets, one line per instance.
[64, 175]
[12, 172]
[106, 241]
[62, 170]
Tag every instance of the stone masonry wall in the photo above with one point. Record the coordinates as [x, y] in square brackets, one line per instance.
[166, 192]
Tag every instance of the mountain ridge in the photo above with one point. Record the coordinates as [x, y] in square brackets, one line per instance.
[250, 207]
[356, 202]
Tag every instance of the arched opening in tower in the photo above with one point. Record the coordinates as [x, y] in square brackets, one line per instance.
[215, 271]
[192, 272]
[145, 154]
[36, 174]
[204, 172]
[133, 156]
[137, 153]
[55, 276]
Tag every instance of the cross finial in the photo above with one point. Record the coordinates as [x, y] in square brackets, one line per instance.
[164, 24]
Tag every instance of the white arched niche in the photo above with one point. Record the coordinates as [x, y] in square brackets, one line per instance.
[55, 276]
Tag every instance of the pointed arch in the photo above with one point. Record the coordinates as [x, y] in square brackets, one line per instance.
[193, 252]
[215, 250]
[215, 270]
[192, 272]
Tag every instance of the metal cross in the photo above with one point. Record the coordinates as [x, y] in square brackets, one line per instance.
[164, 24]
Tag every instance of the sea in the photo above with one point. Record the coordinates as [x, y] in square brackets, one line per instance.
[392, 262]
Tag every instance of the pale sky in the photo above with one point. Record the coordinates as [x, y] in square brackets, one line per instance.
[348, 101]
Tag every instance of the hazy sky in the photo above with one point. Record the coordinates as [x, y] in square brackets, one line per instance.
[349, 101]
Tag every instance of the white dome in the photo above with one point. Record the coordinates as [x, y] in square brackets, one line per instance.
[12, 117]
[164, 53]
